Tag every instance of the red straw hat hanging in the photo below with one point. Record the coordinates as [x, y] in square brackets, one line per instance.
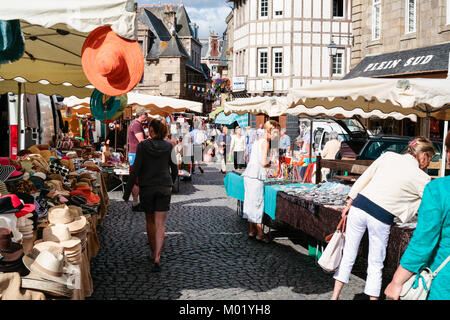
[112, 64]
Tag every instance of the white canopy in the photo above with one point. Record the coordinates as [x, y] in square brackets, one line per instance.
[417, 96]
[54, 33]
[155, 104]
[277, 106]
[272, 106]
[340, 112]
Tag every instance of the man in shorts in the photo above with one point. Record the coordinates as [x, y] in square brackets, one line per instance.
[136, 134]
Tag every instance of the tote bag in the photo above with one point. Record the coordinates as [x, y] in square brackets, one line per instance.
[331, 257]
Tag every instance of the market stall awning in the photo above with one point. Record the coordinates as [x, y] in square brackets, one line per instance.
[214, 114]
[272, 106]
[54, 33]
[155, 104]
[338, 112]
[402, 63]
[416, 96]
[242, 120]
[42, 86]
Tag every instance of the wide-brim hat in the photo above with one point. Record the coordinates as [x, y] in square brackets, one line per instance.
[64, 238]
[75, 211]
[86, 192]
[47, 265]
[61, 215]
[112, 64]
[35, 282]
[101, 104]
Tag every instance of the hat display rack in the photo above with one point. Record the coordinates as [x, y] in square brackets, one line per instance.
[50, 203]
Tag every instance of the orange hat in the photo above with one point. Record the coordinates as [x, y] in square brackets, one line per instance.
[114, 65]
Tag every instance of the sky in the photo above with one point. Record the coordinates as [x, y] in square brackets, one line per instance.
[209, 15]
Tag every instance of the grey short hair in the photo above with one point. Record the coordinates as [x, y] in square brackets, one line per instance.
[283, 130]
[333, 135]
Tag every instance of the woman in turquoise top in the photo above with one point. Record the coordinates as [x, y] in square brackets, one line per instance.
[430, 244]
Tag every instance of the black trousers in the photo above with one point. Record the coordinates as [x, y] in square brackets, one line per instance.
[238, 159]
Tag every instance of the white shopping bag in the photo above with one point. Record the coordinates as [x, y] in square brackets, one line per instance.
[332, 255]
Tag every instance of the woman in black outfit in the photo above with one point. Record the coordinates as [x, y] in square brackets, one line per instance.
[156, 170]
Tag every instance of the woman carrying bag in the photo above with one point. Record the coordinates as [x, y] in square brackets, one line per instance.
[391, 187]
[430, 244]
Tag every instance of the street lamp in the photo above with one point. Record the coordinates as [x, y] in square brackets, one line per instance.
[332, 49]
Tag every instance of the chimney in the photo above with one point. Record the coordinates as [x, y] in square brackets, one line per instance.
[171, 19]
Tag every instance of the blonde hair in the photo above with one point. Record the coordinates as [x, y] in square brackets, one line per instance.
[270, 125]
[421, 144]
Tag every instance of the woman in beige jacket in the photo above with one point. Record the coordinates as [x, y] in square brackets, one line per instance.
[391, 187]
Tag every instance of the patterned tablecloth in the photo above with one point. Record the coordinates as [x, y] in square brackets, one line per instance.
[292, 210]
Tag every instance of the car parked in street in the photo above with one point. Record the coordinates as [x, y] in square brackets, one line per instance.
[380, 144]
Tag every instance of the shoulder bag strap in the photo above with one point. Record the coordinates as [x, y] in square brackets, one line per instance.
[441, 266]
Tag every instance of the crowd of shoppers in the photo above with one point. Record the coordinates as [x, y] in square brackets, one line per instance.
[393, 188]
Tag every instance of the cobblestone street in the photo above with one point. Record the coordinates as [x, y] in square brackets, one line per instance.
[206, 256]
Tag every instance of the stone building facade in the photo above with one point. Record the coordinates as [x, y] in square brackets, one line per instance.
[401, 39]
[404, 25]
[172, 52]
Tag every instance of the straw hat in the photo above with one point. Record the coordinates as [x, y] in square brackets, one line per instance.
[57, 188]
[46, 154]
[3, 189]
[34, 150]
[72, 154]
[60, 233]
[35, 282]
[114, 65]
[75, 211]
[62, 215]
[48, 266]
[40, 175]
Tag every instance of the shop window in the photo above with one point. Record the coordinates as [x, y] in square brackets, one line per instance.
[410, 16]
[338, 8]
[337, 64]
[263, 62]
[264, 8]
[376, 19]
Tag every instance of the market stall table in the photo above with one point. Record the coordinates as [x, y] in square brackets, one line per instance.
[234, 186]
[319, 221]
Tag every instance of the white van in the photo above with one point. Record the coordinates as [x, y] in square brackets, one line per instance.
[347, 129]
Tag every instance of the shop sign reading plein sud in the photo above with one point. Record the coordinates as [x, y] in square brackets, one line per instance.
[392, 64]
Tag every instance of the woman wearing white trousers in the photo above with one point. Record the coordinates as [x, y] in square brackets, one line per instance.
[391, 187]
